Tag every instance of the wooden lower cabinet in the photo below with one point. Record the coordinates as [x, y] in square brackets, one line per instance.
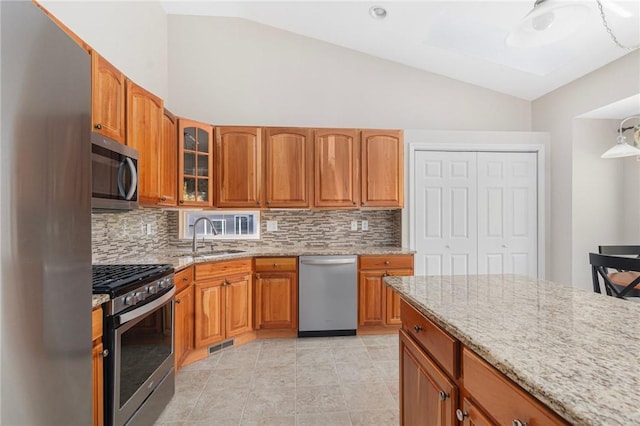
[223, 302]
[98, 367]
[276, 293]
[184, 325]
[442, 382]
[427, 395]
[378, 305]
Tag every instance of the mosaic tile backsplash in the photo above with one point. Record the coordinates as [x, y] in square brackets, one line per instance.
[121, 234]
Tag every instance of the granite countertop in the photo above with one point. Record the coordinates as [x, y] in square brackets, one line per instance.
[576, 351]
[180, 259]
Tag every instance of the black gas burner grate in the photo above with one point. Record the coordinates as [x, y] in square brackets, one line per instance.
[111, 278]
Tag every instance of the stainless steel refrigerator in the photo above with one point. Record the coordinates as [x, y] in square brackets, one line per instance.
[45, 222]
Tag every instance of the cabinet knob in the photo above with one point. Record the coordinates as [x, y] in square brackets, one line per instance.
[105, 353]
[98, 126]
[257, 276]
[354, 203]
[417, 328]
[268, 203]
[163, 199]
[185, 279]
[178, 301]
[386, 262]
[181, 201]
[275, 265]
[518, 422]
[226, 283]
[461, 414]
[443, 395]
[257, 202]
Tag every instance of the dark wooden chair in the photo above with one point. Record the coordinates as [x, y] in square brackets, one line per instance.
[623, 284]
[620, 250]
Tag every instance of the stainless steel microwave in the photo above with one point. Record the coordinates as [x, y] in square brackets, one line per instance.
[114, 174]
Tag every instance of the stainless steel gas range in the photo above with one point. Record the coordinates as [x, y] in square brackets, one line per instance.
[138, 335]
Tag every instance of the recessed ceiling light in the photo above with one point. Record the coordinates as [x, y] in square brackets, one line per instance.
[378, 12]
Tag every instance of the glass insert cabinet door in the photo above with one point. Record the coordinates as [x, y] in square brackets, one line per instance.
[195, 163]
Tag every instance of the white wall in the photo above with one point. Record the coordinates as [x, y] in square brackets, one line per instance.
[132, 35]
[233, 71]
[554, 113]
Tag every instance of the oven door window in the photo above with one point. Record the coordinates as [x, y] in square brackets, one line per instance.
[145, 344]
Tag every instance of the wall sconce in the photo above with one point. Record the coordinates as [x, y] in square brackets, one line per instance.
[622, 148]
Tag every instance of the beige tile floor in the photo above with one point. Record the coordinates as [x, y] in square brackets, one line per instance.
[311, 381]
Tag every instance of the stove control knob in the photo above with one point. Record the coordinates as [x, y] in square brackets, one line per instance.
[161, 284]
[138, 296]
[152, 289]
[129, 300]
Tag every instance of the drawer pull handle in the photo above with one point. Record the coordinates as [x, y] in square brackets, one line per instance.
[185, 279]
[461, 414]
[105, 353]
[517, 422]
[443, 395]
[417, 328]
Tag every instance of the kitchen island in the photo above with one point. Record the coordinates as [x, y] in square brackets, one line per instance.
[575, 351]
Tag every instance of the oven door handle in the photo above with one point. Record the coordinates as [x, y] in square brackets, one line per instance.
[143, 310]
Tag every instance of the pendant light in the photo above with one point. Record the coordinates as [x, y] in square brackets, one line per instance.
[622, 148]
[548, 22]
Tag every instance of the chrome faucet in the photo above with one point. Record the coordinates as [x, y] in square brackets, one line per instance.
[194, 246]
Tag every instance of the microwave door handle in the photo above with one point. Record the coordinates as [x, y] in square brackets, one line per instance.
[134, 179]
[121, 179]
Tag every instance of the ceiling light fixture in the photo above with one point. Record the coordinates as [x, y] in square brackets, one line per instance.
[549, 21]
[622, 148]
[378, 12]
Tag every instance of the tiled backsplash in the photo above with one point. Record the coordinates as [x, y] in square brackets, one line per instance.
[117, 235]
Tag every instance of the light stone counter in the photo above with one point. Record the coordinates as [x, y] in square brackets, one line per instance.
[181, 259]
[576, 351]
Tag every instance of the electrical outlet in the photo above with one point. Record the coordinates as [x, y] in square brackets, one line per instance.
[147, 229]
[272, 225]
[365, 225]
[354, 225]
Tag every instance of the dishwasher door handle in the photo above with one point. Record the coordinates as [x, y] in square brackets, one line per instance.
[327, 262]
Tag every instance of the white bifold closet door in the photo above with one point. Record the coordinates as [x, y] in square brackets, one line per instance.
[476, 213]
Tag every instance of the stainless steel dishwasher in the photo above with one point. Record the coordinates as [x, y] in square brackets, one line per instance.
[328, 300]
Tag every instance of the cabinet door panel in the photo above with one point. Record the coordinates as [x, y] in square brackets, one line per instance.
[392, 311]
[428, 396]
[287, 164]
[144, 131]
[371, 299]
[168, 160]
[107, 99]
[276, 300]
[184, 325]
[336, 168]
[98, 385]
[209, 312]
[238, 305]
[195, 163]
[238, 167]
[382, 168]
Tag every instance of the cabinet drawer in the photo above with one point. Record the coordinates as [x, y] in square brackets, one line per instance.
[96, 323]
[386, 262]
[183, 279]
[271, 264]
[504, 400]
[221, 269]
[437, 342]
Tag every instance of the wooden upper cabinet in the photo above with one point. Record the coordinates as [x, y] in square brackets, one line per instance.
[336, 168]
[195, 163]
[382, 168]
[287, 163]
[168, 160]
[238, 167]
[144, 131]
[107, 99]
